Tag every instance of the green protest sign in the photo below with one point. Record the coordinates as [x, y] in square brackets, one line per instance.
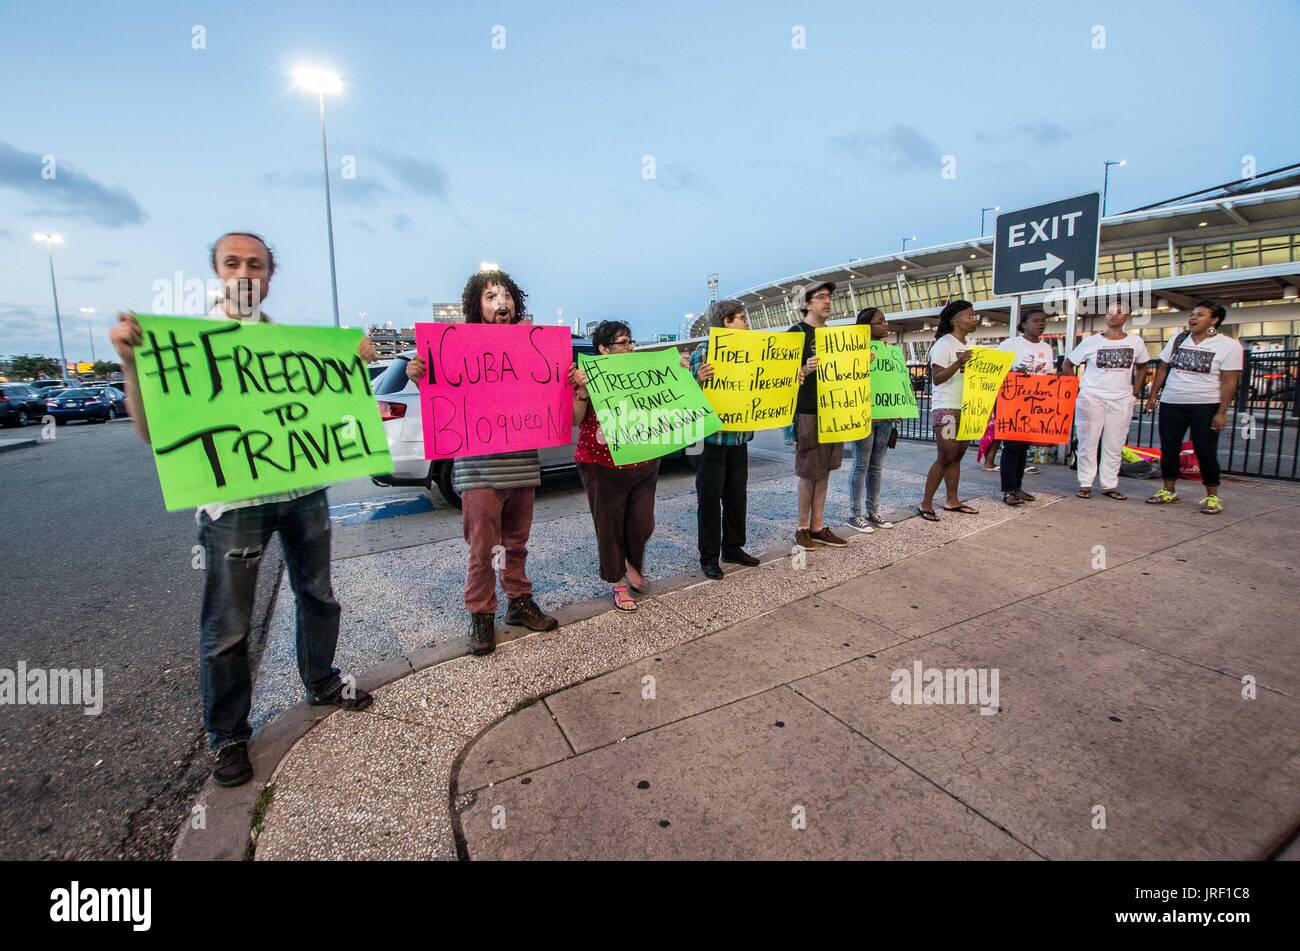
[892, 396]
[237, 411]
[647, 403]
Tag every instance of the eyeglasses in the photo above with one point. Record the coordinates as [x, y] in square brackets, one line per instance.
[625, 342]
[824, 295]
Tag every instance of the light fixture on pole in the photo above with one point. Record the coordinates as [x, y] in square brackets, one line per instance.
[90, 330]
[1105, 187]
[983, 212]
[324, 82]
[50, 241]
[905, 240]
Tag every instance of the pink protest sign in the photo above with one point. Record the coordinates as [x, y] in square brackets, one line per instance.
[492, 388]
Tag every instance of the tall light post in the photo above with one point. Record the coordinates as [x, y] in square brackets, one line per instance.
[90, 330]
[905, 240]
[983, 212]
[1105, 187]
[324, 82]
[50, 241]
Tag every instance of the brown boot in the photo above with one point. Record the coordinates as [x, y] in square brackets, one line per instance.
[482, 633]
[525, 612]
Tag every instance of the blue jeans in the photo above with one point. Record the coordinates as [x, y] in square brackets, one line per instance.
[868, 467]
[233, 546]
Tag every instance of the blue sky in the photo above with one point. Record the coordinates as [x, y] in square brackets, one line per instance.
[769, 160]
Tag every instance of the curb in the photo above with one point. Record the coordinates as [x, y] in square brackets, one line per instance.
[8, 445]
[230, 812]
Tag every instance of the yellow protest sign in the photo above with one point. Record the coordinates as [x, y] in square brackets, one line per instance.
[755, 377]
[843, 383]
[984, 373]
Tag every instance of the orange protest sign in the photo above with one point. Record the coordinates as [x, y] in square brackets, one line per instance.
[1036, 407]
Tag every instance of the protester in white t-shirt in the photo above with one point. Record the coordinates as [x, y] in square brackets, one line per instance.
[1109, 389]
[948, 357]
[1033, 355]
[1199, 371]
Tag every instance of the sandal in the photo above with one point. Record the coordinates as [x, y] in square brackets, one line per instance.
[622, 600]
[1031, 468]
[964, 509]
[1115, 494]
[641, 590]
[1011, 499]
[1085, 492]
[927, 514]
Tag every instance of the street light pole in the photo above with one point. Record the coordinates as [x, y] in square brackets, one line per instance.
[90, 330]
[329, 211]
[322, 81]
[982, 213]
[50, 241]
[1105, 187]
[905, 240]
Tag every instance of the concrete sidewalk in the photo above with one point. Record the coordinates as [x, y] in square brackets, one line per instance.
[753, 718]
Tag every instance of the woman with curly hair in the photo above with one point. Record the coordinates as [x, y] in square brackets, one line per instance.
[496, 491]
[948, 359]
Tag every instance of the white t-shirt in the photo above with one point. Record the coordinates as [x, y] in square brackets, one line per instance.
[1030, 357]
[1108, 364]
[1194, 370]
[947, 395]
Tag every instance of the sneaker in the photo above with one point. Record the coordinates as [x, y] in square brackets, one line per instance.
[804, 539]
[861, 524]
[1210, 505]
[359, 699]
[525, 612]
[482, 633]
[1163, 497]
[879, 521]
[233, 767]
[826, 537]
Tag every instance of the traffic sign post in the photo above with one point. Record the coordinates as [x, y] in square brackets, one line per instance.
[1047, 247]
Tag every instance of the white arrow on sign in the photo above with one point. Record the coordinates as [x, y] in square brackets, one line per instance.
[1047, 265]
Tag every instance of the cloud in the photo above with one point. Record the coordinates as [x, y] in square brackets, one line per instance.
[1040, 132]
[360, 191]
[416, 302]
[677, 178]
[71, 194]
[402, 222]
[6, 234]
[110, 262]
[364, 226]
[898, 149]
[629, 69]
[419, 175]
[82, 278]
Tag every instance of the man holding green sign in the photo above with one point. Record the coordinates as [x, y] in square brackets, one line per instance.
[249, 422]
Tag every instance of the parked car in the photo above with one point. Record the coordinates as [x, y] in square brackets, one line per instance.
[20, 404]
[399, 408]
[44, 385]
[93, 404]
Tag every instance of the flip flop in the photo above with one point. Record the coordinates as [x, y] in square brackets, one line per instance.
[929, 516]
[1031, 468]
[1115, 494]
[1084, 493]
[964, 509]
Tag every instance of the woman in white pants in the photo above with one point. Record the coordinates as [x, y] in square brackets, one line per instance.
[1107, 393]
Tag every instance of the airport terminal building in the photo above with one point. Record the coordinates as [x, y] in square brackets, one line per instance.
[1237, 244]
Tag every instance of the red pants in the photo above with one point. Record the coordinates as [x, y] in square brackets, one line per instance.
[496, 522]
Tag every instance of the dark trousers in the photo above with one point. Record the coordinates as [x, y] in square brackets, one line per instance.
[721, 485]
[1012, 468]
[1175, 420]
[622, 505]
[233, 546]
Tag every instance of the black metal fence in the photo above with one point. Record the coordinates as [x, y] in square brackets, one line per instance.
[1259, 440]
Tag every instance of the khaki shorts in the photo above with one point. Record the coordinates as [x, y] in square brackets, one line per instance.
[813, 459]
